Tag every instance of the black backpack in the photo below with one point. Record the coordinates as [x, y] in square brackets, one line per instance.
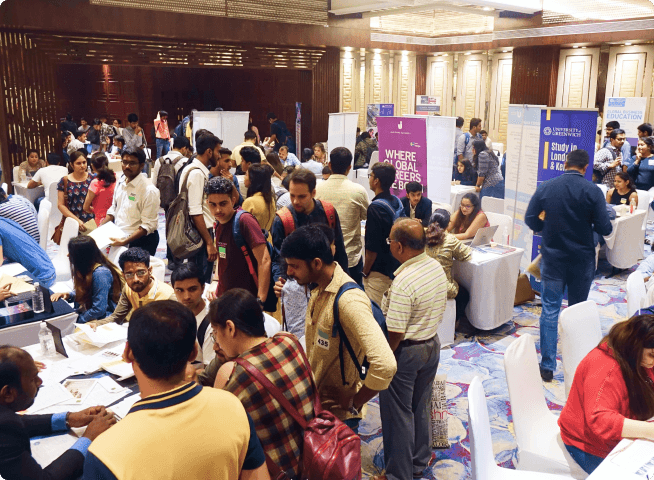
[166, 181]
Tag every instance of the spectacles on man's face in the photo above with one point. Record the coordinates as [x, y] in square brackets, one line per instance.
[129, 164]
[213, 337]
[139, 273]
[389, 240]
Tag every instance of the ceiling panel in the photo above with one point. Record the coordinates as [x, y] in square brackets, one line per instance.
[558, 11]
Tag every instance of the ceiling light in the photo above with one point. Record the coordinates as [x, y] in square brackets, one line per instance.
[575, 46]
[505, 51]
[627, 44]
[583, 47]
[445, 54]
[487, 9]
[467, 53]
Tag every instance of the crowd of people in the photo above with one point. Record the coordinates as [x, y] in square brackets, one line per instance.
[277, 244]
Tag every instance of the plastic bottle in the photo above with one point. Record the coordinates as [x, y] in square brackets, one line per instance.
[632, 205]
[37, 299]
[46, 340]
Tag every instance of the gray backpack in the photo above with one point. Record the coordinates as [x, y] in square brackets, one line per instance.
[183, 238]
[166, 181]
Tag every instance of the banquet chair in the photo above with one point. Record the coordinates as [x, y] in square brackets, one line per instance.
[603, 188]
[55, 214]
[502, 221]
[445, 206]
[446, 327]
[43, 221]
[15, 172]
[61, 261]
[636, 293]
[483, 464]
[115, 253]
[5, 187]
[536, 430]
[580, 333]
[627, 247]
[492, 204]
[158, 268]
[644, 198]
[374, 158]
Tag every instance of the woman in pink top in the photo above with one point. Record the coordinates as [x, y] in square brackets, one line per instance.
[612, 394]
[468, 218]
[101, 190]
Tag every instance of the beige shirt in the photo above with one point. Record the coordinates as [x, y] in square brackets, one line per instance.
[364, 334]
[264, 213]
[198, 176]
[136, 204]
[351, 202]
[451, 249]
[236, 153]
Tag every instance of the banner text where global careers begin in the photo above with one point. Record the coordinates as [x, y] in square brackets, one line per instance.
[405, 167]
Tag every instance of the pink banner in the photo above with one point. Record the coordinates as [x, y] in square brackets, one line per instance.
[403, 143]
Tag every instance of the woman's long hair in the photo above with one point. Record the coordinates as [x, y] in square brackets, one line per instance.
[85, 257]
[462, 219]
[73, 158]
[100, 164]
[479, 146]
[630, 182]
[468, 171]
[260, 182]
[649, 142]
[273, 160]
[627, 340]
[437, 229]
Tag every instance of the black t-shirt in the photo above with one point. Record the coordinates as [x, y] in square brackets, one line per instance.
[278, 128]
[378, 228]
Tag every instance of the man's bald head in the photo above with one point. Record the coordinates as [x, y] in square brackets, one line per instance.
[409, 233]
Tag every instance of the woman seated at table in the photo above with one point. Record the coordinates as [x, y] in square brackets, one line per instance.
[73, 189]
[30, 166]
[319, 153]
[490, 182]
[238, 331]
[468, 218]
[642, 168]
[97, 281]
[624, 191]
[465, 173]
[101, 191]
[445, 247]
[612, 394]
[260, 201]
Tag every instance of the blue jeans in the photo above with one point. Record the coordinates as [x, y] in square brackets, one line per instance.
[496, 191]
[353, 423]
[585, 460]
[163, 147]
[554, 279]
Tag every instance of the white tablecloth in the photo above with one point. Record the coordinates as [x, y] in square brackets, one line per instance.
[491, 280]
[30, 193]
[624, 244]
[457, 192]
[611, 468]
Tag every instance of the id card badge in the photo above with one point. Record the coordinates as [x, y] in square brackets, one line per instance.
[222, 250]
[131, 197]
[322, 340]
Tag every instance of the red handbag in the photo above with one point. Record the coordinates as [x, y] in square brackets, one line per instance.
[331, 451]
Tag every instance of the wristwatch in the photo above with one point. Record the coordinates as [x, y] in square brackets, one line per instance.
[67, 424]
[353, 410]
[260, 302]
[365, 275]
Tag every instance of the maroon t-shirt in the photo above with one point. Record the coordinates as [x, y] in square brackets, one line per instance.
[233, 271]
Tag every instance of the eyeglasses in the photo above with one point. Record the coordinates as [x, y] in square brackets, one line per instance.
[466, 206]
[389, 241]
[213, 337]
[129, 164]
[139, 273]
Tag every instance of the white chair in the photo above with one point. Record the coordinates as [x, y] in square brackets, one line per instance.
[491, 204]
[503, 222]
[643, 204]
[15, 174]
[4, 187]
[636, 293]
[650, 212]
[627, 247]
[158, 268]
[537, 433]
[374, 158]
[603, 188]
[446, 328]
[61, 261]
[55, 214]
[581, 331]
[445, 206]
[115, 253]
[483, 464]
[43, 221]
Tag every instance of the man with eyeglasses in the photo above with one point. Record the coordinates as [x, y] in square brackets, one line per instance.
[140, 287]
[135, 209]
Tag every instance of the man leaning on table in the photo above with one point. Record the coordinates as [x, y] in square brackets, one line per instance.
[19, 385]
[140, 287]
[566, 210]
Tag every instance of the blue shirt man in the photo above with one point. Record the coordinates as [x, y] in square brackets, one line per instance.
[566, 211]
[16, 245]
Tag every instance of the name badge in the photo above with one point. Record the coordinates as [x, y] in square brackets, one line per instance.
[322, 340]
[222, 250]
[132, 197]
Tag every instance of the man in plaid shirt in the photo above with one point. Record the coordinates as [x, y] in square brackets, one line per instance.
[608, 160]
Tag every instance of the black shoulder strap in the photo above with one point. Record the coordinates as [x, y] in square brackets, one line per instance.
[343, 340]
[202, 330]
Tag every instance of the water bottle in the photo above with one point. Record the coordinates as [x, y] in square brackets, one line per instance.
[632, 205]
[37, 299]
[46, 341]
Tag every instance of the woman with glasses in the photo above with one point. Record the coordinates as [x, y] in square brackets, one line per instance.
[73, 188]
[98, 282]
[238, 328]
[468, 218]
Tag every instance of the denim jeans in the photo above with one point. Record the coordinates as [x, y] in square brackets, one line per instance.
[554, 279]
[496, 191]
[353, 423]
[585, 460]
[163, 147]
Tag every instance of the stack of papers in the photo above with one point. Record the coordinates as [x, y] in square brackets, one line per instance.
[103, 335]
[103, 235]
[121, 409]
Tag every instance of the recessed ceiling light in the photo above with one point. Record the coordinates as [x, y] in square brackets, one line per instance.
[583, 47]
[627, 44]
[488, 9]
[504, 51]
[467, 53]
[575, 46]
[445, 55]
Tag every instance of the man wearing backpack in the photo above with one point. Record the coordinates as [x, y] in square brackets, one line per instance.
[414, 308]
[464, 142]
[384, 209]
[194, 177]
[168, 166]
[309, 260]
[243, 259]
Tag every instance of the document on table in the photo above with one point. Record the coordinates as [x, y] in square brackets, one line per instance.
[47, 449]
[18, 286]
[122, 409]
[49, 395]
[637, 457]
[103, 335]
[103, 235]
[12, 269]
[79, 389]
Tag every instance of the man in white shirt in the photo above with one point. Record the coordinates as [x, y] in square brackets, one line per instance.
[187, 282]
[77, 143]
[287, 158]
[135, 209]
[195, 176]
[178, 156]
[134, 135]
[46, 176]
[351, 202]
[464, 142]
[250, 139]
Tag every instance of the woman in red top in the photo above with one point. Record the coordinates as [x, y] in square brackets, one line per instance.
[101, 191]
[612, 395]
[468, 218]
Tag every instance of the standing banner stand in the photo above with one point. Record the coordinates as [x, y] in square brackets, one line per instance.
[298, 129]
[228, 126]
[629, 111]
[428, 105]
[420, 150]
[375, 110]
[557, 131]
[343, 133]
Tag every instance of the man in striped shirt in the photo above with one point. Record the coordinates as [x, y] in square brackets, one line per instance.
[414, 307]
[20, 210]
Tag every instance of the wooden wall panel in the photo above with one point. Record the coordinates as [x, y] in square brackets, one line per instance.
[535, 75]
[421, 76]
[28, 98]
[325, 93]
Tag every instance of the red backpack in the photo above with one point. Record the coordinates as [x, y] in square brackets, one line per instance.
[288, 220]
[331, 450]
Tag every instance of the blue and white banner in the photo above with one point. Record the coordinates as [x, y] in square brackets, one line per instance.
[629, 112]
